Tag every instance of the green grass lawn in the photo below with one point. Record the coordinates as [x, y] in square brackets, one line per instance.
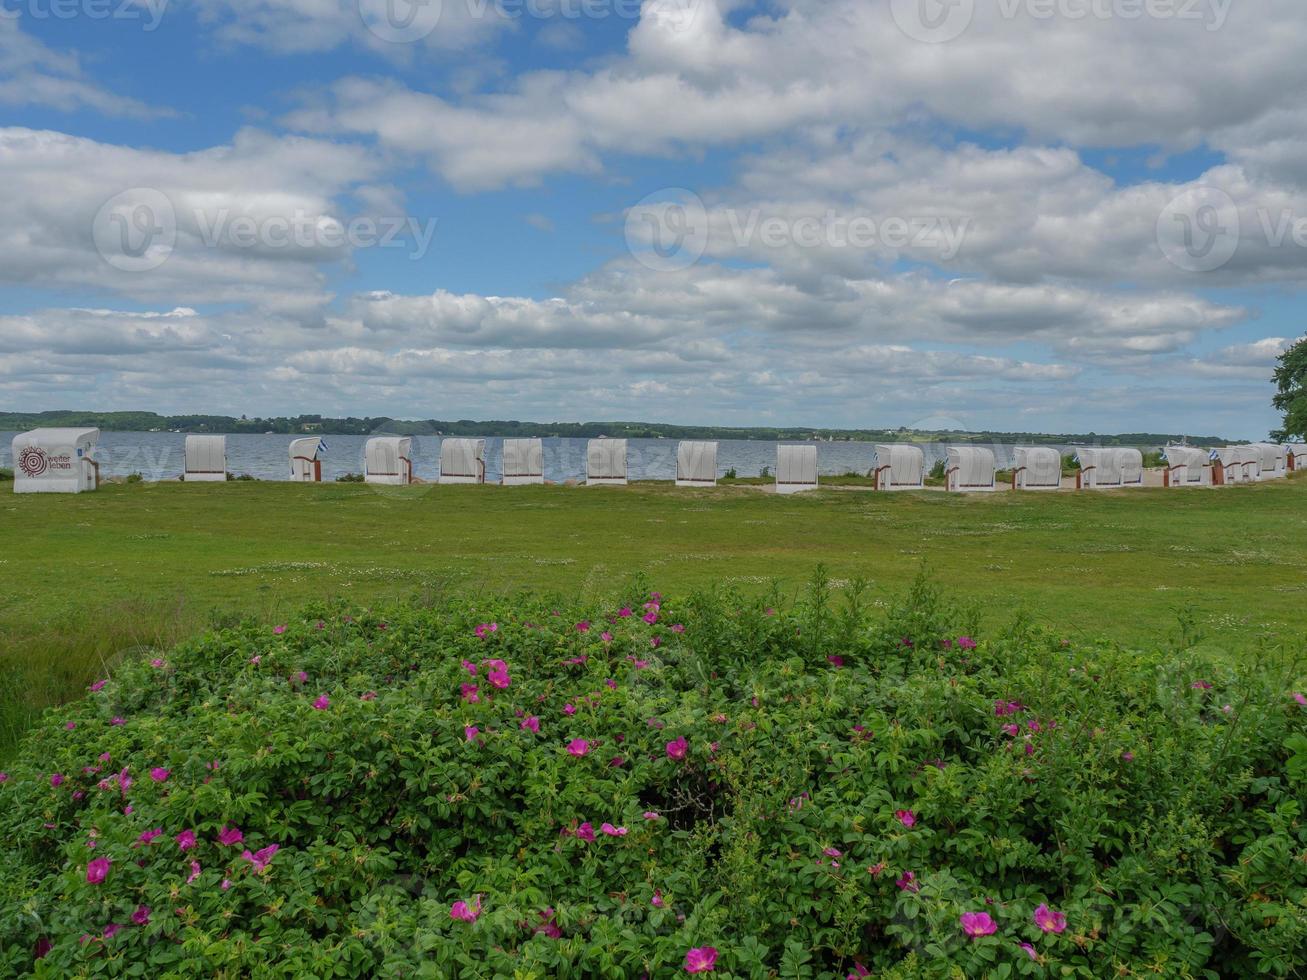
[85, 579]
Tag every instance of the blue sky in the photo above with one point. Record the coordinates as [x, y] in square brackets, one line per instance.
[1022, 185]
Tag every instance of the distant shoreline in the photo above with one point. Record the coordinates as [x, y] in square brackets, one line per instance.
[326, 426]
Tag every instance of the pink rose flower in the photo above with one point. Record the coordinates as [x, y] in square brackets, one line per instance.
[97, 870]
[279, 629]
[531, 724]
[578, 747]
[261, 858]
[160, 774]
[230, 836]
[612, 831]
[701, 959]
[185, 840]
[463, 912]
[322, 703]
[677, 748]
[976, 924]
[906, 817]
[586, 832]
[142, 915]
[1048, 920]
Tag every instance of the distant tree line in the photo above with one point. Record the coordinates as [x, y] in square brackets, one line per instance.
[320, 424]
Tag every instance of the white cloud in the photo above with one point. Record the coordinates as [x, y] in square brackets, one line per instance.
[33, 74]
[53, 187]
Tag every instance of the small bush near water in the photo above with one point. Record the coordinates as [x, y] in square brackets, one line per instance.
[526, 789]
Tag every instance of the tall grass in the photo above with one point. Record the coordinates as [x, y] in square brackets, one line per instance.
[55, 660]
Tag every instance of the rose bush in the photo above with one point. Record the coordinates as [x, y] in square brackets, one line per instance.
[526, 788]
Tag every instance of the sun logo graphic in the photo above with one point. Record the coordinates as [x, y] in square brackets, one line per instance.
[33, 461]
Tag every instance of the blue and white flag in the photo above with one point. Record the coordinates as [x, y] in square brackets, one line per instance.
[322, 445]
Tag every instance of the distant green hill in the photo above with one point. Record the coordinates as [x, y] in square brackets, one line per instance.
[150, 422]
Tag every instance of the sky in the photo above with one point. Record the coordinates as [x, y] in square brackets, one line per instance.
[1018, 215]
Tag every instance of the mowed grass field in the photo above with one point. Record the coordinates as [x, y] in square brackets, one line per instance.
[91, 578]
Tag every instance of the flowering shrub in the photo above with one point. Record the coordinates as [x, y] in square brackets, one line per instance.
[720, 786]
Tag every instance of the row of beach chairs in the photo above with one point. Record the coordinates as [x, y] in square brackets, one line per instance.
[63, 460]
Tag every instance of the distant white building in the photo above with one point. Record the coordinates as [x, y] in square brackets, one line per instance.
[696, 464]
[1036, 468]
[56, 461]
[206, 459]
[463, 461]
[388, 460]
[1110, 467]
[605, 462]
[796, 469]
[1187, 467]
[970, 469]
[305, 467]
[524, 462]
[1295, 457]
[899, 466]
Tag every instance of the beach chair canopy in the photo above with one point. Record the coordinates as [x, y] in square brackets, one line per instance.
[1037, 468]
[206, 458]
[1241, 464]
[55, 461]
[388, 459]
[796, 468]
[1271, 460]
[463, 461]
[524, 461]
[1111, 466]
[605, 461]
[970, 468]
[696, 463]
[1188, 466]
[304, 464]
[1295, 456]
[900, 466]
